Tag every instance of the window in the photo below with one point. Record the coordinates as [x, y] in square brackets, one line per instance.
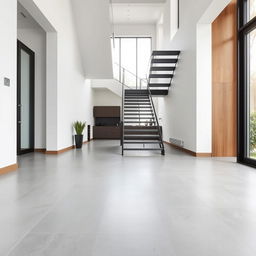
[247, 82]
[132, 54]
[251, 9]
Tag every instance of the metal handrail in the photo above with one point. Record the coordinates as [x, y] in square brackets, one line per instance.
[152, 102]
[123, 71]
[122, 137]
[127, 71]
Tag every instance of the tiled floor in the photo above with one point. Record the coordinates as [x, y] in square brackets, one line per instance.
[95, 202]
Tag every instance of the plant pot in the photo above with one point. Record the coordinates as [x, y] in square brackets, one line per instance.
[79, 141]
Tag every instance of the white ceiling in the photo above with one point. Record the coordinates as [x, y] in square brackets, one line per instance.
[137, 13]
[24, 19]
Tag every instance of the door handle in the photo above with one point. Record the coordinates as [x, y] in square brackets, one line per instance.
[19, 122]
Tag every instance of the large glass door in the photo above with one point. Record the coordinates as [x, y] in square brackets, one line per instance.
[25, 99]
[247, 82]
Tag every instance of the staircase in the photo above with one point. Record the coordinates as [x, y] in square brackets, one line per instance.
[163, 66]
[140, 127]
[141, 130]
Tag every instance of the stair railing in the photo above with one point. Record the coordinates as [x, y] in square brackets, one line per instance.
[122, 122]
[122, 81]
[154, 110]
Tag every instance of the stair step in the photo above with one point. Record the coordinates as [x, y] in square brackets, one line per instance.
[142, 139]
[139, 111]
[137, 108]
[165, 53]
[143, 135]
[137, 101]
[142, 142]
[140, 130]
[162, 68]
[159, 92]
[142, 149]
[139, 114]
[137, 91]
[137, 117]
[137, 96]
[161, 76]
[137, 104]
[159, 85]
[138, 122]
[154, 61]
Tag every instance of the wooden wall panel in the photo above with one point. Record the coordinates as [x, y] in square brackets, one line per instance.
[224, 87]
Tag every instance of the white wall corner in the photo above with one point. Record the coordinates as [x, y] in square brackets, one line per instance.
[204, 89]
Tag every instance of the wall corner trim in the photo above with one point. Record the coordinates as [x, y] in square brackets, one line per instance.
[9, 168]
[192, 153]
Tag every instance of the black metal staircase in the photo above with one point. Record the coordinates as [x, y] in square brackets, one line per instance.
[162, 67]
[140, 126]
[141, 130]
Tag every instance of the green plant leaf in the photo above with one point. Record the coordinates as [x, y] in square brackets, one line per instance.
[79, 127]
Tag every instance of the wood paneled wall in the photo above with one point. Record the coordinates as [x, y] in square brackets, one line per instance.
[224, 87]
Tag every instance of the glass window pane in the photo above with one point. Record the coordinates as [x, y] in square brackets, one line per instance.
[25, 101]
[252, 8]
[251, 39]
[144, 53]
[116, 57]
[128, 60]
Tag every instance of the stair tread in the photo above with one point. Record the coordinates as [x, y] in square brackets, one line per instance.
[159, 85]
[142, 142]
[142, 149]
[162, 68]
[165, 53]
[174, 60]
[161, 76]
[138, 114]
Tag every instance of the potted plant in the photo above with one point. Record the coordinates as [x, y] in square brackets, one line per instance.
[79, 128]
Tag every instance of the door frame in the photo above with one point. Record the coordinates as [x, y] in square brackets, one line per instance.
[244, 27]
[21, 46]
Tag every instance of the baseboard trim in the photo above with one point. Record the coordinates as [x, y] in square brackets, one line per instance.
[40, 150]
[8, 169]
[204, 154]
[59, 151]
[192, 153]
[62, 150]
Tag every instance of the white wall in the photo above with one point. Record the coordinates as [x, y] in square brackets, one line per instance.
[204, 75]
[186, 112]
[8, 46]
[35, 39]
[94, 31]
[74, 94]
[104, 97]
[163, 28]
[204, 89]
[179, 110]
[147, 30]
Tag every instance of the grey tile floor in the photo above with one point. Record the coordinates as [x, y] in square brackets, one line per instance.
[95, 202]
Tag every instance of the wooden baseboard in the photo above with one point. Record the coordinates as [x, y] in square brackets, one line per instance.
[59, 151]
[62, 150]
[8, 169]
[40, 150]
[204, 154]
[192, 153]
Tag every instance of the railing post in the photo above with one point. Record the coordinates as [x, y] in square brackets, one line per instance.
[122, 123]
